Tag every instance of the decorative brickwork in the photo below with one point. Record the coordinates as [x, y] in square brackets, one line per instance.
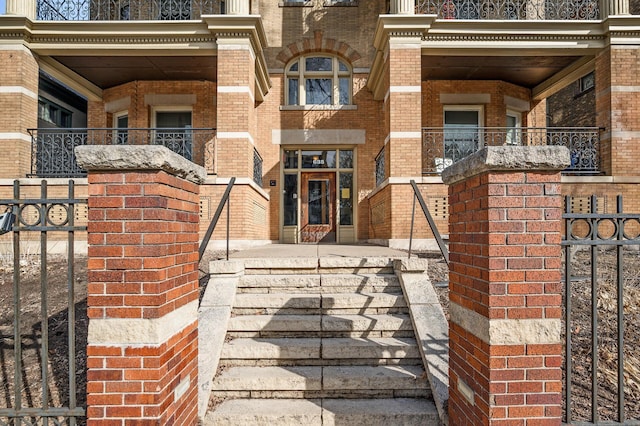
[505, 291]
[142, 286]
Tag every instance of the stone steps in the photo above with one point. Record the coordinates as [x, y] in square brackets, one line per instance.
[322, 382]
[327, 412]
[321, 341]
[345, 325]
[316, 351]
[319, 283]
[327, 304]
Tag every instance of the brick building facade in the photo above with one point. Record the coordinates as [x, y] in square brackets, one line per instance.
[325, 110]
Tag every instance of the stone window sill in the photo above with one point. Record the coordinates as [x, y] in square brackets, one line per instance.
[318, 107]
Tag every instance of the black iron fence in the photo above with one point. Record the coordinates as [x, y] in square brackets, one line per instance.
[601, 286]
[53, 153]
[443, 146]
[511, 9]
[34, 366]
[126, 10]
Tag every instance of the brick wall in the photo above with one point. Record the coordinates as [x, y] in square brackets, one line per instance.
[505, 291]
[572, 108]
[142, 288]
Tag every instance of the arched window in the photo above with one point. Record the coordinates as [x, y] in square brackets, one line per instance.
[318, 80]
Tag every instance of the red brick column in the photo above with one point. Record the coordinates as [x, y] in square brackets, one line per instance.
[505, 292]
[142, 285]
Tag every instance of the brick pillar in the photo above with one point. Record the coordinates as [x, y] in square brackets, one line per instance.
[18, 108]
[617, 109]
[505, 292]
[142, 285]
[405, 106]
[236, 115]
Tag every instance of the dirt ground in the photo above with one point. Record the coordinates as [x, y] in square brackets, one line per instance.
[57, 313]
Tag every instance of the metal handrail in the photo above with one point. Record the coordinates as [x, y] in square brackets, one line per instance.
[432, 225]
[214, 221]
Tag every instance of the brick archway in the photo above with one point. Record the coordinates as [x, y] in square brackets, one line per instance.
[318, 43]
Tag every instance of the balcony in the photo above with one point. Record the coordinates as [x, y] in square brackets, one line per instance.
[442, 147]
[53, 154]
[126, 10]
[566, 10]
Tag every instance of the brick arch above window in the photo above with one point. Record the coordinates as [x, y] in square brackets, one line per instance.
[318, 43]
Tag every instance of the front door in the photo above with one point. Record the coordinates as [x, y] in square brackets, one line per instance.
[318, 191]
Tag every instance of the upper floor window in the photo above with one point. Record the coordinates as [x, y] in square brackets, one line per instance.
[53, 113]
[587, 82]
[318, 80]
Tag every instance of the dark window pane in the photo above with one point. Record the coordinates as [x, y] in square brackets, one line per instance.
[318, 159]
[294, 67]
[318, 64]
[346, 159]
[344, 91]
[293, 91]
[290, 159]
[319, 91]
[346, 198]
[343, 66]
[319, 202]
[290, 200]
[173, 119]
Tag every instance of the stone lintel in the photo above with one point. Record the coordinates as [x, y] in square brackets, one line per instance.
[138, 157]
[508, 159]
[506, 331]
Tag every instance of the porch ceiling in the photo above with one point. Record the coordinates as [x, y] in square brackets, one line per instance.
[109, 71]
[527, 71]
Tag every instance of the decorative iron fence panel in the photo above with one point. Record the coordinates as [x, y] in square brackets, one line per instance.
[572, 10]
[37, 341]
[443, 146]
[257, 167]
[53, 152]
[598, 369]
[126, 10]
[380, 168]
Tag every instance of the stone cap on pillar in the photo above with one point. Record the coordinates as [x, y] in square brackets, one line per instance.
[138, 157]
[508, 158]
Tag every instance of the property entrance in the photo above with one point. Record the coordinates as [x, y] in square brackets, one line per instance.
[318, 222]
[317, 197]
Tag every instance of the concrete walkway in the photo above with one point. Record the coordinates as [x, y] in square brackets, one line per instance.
[317, 251]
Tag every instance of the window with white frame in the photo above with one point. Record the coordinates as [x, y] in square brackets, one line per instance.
[461, 133]
[514, 128]
[318, 80]
[173, 130]
[121, 124]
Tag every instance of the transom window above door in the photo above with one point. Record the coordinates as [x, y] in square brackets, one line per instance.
[318, 80]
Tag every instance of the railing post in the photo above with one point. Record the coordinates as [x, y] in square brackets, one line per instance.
[505, 290]
[142, 298]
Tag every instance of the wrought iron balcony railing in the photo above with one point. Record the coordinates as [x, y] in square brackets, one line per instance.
[257, 167]
[380, 168]
[570, 10]
[53, 152]
[126, 10]
[442, 146]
